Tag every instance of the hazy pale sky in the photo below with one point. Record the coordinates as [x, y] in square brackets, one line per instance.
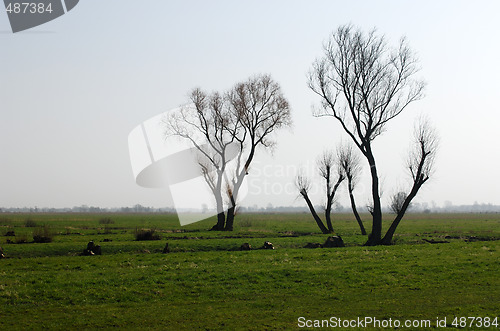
[71, 91]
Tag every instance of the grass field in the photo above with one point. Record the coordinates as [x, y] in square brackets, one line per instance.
[205, 282]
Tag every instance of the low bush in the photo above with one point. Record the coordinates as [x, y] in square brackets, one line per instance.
[146, 234]
[43, 234]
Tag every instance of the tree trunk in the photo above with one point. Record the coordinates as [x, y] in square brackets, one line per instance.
[355, 211]
[328, 217]
[221, 217]
[221, 220]
[387, 240]
[329, 202]
[329, 199]
[375, 236]
[230, 219]
[233, 196]
[230, 215]
[315, 215]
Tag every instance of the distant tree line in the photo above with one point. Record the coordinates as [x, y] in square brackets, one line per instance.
[89, 209]
[417, 207]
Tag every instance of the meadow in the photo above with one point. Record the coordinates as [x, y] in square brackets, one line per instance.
[206, 282]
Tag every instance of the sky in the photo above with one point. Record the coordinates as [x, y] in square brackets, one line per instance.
[73, 89]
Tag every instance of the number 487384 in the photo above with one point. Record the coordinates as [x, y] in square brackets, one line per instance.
[28, 8]
[478, 322]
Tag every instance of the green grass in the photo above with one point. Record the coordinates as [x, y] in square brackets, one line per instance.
[207, 283]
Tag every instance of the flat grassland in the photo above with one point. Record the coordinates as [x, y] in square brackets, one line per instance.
[206, 282]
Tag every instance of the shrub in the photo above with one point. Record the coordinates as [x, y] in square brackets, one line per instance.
[29, 223]
[106, 220]
[146, 234]
[43, 234]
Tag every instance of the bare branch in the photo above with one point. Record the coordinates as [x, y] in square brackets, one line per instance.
[397, 202]
[303, 184]
[364, 84]
[350, 162]
[421, 158]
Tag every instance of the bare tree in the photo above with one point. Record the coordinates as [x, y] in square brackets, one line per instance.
[304, 185]
[351, 165]
[363, 85]
[333, 175]
[420, 165]
[246, 116]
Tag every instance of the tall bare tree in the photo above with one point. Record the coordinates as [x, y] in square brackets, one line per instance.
[351, 165]
[333, 175]
[246, 116]
[364, 84]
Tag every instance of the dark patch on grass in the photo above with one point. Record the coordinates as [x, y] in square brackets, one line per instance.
[474, 238]
[433, 241]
